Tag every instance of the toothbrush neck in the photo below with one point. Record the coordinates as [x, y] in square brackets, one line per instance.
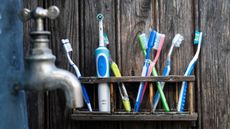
[170, 52]
[148, 53]
[197, 51]
[101, 36]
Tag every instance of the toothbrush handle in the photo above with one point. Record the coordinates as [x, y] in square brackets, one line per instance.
[78, 75]
[183, 97]
[154, 73]
[86, 97]
[183, 91]
[163, 99]
[102, 62]
[151, 67]
[140, 89]
[104, 97]
[137, 104]
[122, 89]
[125, 97]
[157, 95]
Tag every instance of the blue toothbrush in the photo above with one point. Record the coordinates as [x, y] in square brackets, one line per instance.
[177, 40]
[182, 97]
[102, 66]
[145, 69]
[68, 48]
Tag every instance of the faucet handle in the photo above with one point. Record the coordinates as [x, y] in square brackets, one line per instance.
[52, 12]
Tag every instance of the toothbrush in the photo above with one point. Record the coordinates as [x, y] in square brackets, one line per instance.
[121, 86]
[117, 73]
[182, 96]
[158, 45]
[142, 39]
[68, 48]
[102, 66]
[145, 69]
[177, 40]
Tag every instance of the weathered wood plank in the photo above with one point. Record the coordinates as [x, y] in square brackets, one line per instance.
[90, 37]
[65, 26]
[175, 17]
[190, 97]
[35, 100]
[171, 78]
[135, 17]
[197, 89]
[215, 82]
[134, 116]
[123, 19]
[90, 34]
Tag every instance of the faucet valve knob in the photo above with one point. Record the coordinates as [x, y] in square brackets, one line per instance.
[52, 12]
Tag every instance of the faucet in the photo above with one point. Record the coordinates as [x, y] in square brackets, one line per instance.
[41, 74]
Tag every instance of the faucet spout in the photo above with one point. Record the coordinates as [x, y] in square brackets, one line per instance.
[43, 75]
[61, 79]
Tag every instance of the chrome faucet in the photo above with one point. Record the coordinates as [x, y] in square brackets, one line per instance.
[41, 74]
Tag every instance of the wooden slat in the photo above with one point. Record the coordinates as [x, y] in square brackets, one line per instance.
[36, 104]
[171, 78]
[151, 94]
[66, 25]
[134, 116]
[113, 97]
[124, 18]
[175, 16]
[135, 16]
[191, 98]
[215, 62]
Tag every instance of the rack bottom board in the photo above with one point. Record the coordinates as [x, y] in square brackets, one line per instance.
[143, 116]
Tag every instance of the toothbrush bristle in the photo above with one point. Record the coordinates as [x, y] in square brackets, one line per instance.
[197, 37]
[144, 38]
[157, 41]
[177, 40]
[106, 39]
[67, 45]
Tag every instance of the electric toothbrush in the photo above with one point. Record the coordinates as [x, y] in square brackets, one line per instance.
[102, 66]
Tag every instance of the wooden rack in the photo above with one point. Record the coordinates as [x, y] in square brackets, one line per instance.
[189, 115]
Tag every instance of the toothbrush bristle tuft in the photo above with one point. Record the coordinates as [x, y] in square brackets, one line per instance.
[197, 37]
[144, 38]
[157, 41]
[177, 40]
[67, 45]
[106, 39]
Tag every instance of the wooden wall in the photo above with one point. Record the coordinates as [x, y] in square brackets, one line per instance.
[123, 20]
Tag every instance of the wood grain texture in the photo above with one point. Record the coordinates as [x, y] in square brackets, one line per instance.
[215, 64]
[171, 78]
[123, 20]
[148, 116]
[175, 17]
[135, 17]
[35, 100]
[65, 26]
